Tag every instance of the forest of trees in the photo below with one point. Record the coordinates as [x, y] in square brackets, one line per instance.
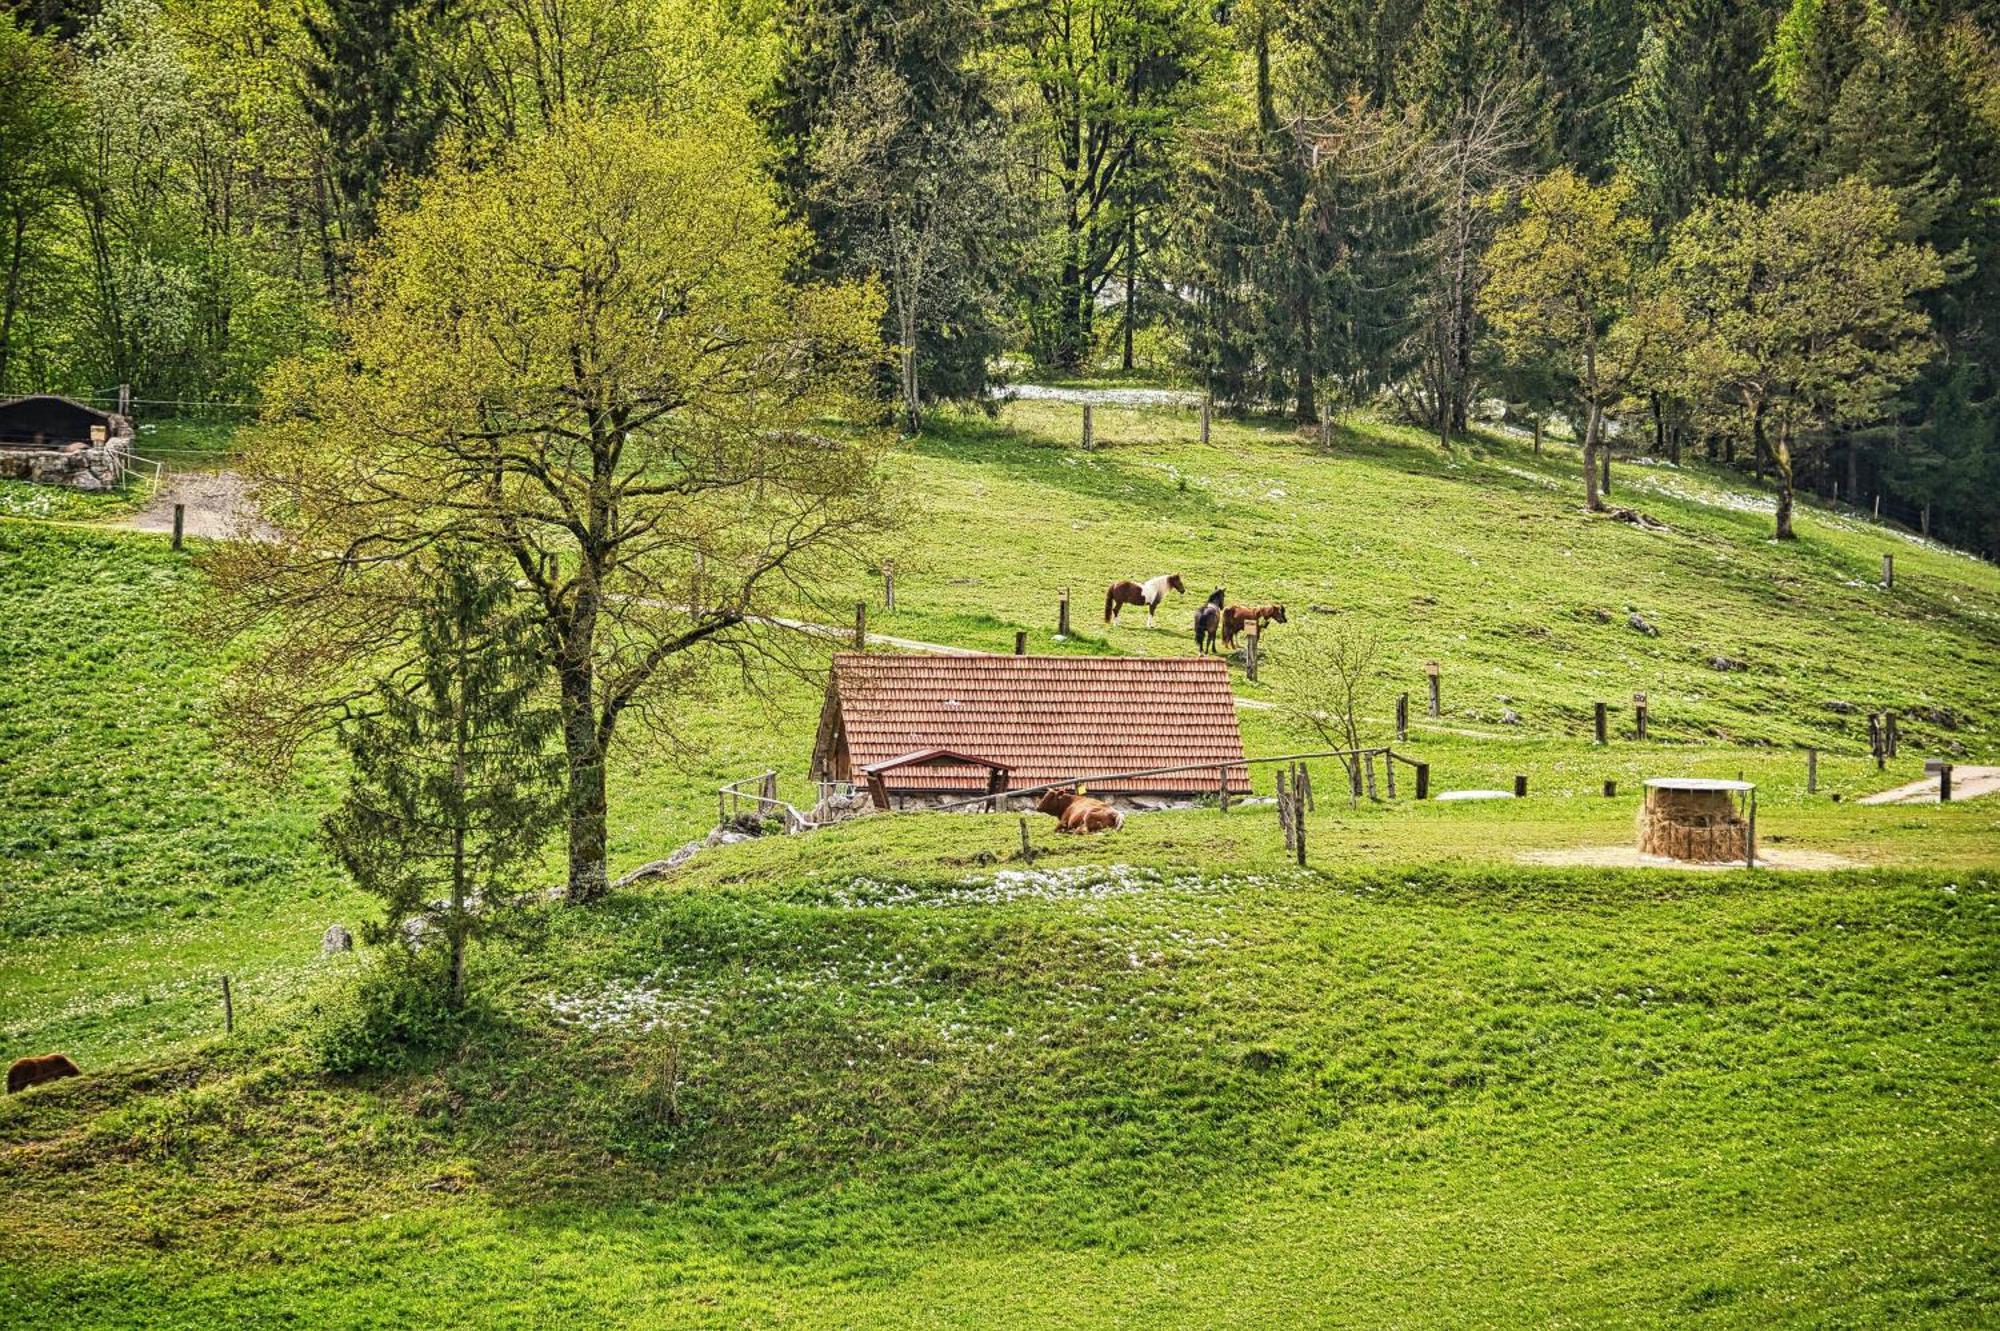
[1767, 232]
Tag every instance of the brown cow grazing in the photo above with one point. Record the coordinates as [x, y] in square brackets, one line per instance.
[1236, 617]
[1080, 814]
[28, 1072]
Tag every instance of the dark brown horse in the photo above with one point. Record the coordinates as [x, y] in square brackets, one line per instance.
[1236, 617]
[1080, 814]
[28, 1072]
[1208, 623]
[1149, 594]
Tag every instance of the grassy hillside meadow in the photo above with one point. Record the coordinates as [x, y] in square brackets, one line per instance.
[886, 1075]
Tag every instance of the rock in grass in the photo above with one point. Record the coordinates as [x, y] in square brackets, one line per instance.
[1638, 624]
[1840, 705]
[335, 939]
[1509, 717]
[1726, 663]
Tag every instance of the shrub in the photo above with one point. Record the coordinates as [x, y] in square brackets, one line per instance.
[395, 1013]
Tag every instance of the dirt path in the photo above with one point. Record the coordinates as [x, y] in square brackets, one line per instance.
[1967, 783]
[217, 507]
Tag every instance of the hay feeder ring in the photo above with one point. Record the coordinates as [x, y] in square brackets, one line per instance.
[1699, 820]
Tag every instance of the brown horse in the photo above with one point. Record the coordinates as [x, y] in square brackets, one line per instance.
[1149, 594]
[1080, 814]
[28, 1072]
[1236, 617]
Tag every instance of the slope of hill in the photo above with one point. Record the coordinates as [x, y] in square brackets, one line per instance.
[884, 1075]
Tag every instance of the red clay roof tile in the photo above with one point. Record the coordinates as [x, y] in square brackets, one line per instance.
[1047, 717]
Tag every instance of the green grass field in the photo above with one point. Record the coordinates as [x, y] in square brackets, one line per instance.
[887, 1075]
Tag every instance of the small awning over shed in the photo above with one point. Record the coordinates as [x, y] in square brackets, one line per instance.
[877, 774]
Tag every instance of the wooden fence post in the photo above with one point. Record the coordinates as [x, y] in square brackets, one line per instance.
[1206, 407]
[1875, 748]
[228, 1008]
[1888, 568]
[1889, 733]
[1285, 808]
[1812, 770]
[180, 523]
[1302, 782]
[1611, 790]
[1402, 716]
[889, 585]
[1423, 781]
[861, 626]
[1389, 771]
[1300, 786]
[1601, 722]
[1520, 787]
[1020, 642]
[1250, 654]
[1062, 614]
[1431, 678]
[1944, 783]
[1369, 768]
[1027, 846]
[1088, 441]
[1639, 713]
[125, 401]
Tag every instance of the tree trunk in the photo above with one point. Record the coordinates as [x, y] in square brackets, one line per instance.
[1781, 456]
[1591, 500]
[1853, 471]
[1131, 288]
[13, 295]
[1538, 436]
[587, 804]
[1307, 410]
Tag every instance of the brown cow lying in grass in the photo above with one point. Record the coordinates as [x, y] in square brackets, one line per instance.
[1080, 813]
[28, 1072]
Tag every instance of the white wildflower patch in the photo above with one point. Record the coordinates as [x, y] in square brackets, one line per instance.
[1070, 884]
[629, 1005]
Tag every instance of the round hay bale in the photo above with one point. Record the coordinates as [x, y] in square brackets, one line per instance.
[1695, 821]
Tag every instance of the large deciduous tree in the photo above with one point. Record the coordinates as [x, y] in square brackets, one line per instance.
[38, 141]
[890, 148]
[590, 361]
[1114, 85]
[1800, 313]
[1561, 276]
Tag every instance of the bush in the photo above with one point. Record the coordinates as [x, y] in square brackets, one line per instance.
[395, 1013]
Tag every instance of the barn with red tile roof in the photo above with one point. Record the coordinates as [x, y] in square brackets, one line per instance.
[1036, 718]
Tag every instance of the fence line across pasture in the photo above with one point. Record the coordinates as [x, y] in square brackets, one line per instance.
[1356, 755]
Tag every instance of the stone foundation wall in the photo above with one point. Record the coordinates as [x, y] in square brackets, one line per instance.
[82, 465]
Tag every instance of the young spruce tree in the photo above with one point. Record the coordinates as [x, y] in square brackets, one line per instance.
[457, 779]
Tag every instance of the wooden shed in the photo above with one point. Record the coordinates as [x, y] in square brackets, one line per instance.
[930, 728]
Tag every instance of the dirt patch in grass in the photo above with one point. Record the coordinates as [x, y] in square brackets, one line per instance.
[1629, 857]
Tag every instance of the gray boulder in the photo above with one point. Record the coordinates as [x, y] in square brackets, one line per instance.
[335, 939]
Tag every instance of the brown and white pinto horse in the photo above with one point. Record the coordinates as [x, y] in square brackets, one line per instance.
[1236, 617]
[1149, 594]
[1079, 814]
